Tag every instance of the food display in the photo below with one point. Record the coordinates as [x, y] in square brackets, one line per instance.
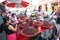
[26, 31]
[30, 31]
[46, 24]
[24, 23]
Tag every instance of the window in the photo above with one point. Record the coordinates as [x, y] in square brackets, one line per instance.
[54, 6]
[46, 9]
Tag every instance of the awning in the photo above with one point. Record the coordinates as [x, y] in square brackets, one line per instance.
[15, 4]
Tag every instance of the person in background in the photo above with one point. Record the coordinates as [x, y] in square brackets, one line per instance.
[54, 18]
[1, 21]
[9, 14]
[56, 29]
[9, 29]
[14, 19]
[40, 13]
[4, 14]
[58, 26]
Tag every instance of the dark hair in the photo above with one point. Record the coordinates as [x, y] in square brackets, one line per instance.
[39, 6]
[12, 14]
[5, 19]
[58, 20]
[9, 11]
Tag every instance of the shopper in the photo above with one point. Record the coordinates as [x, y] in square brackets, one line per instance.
[57, 27]
[9, 29]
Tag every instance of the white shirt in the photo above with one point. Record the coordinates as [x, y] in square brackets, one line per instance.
[9, 15]
[14, 19]
[40, 15]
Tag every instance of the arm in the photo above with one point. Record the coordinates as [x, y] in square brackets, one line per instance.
[12, 28]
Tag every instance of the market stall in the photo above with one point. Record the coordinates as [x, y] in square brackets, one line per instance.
[32, 32]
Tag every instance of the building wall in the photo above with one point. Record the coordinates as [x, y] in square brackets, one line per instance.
[59, 4]
[49, 5]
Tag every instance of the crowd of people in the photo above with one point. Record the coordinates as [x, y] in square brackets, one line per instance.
[9, 23]
[56, 23]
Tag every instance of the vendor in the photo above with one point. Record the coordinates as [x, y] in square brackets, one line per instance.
[40, 14]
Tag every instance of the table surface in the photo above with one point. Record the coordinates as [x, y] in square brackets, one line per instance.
[22, 36]
[39, 31]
